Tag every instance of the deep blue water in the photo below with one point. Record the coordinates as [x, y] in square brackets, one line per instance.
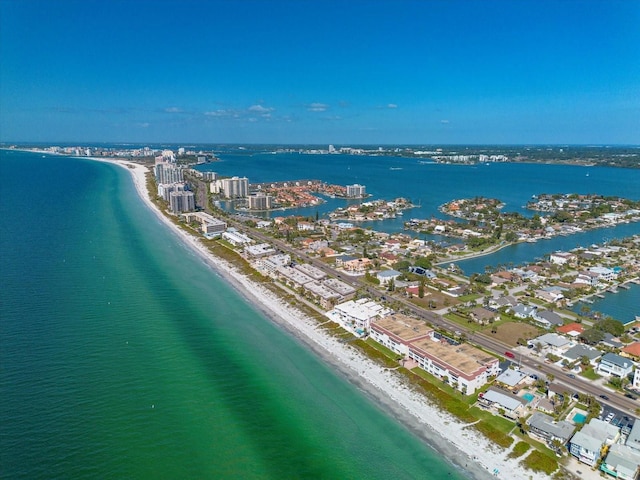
[430, 185]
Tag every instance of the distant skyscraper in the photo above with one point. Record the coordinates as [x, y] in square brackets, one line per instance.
[356, 191]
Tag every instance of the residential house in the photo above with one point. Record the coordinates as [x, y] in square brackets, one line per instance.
[484, 316]
[511, 378]
[578, 352]
[562, 258]
[505, 301]
[586, 445]
[386, 276]
[524, 311]
[512, 405]
[571, 329]
[622, 462]
[553, 343]
[546, 428]
[613, 364]
[632, 350]
[604, 274]
[357, 265]
[545, 405]
[547, 318]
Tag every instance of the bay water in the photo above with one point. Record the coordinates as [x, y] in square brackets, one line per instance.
[124, 356]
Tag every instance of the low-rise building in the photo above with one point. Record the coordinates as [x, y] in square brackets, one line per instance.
[612, 364]
[270, 265]
[621, 462]
[260, 250]
[580, 351]
[397, 331]
[356, 315]
[512, 405]
[386, 276]
[463, 366]
[546, 428]
[586, 445]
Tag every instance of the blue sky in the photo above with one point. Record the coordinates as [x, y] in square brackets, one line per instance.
[303, 71]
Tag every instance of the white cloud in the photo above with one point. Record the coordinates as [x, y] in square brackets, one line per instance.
[142, 125]
[260, 109]
[221, 113]
[173, 110]
[392, 105]
[444, 121]
[317, 107]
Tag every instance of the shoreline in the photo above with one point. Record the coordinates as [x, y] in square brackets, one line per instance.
[466, 450]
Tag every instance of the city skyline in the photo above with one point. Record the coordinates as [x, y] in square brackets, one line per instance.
[308, 72]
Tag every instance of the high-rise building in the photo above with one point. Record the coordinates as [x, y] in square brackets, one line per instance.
[259, 201]
[234, 187]
[168, 173]
[184, 201]
[356, 191]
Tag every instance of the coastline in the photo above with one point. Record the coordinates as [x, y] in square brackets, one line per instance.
[465, 448]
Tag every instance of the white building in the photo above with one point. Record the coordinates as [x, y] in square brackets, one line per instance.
[356, 315]
[234, 187]
[612, 364]
[356, 191]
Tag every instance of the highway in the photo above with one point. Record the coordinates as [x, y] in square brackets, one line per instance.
[488, 343]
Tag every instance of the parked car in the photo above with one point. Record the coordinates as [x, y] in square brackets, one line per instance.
[631, 396]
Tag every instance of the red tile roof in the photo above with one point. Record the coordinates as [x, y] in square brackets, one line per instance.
[572, 327]
[633, 349]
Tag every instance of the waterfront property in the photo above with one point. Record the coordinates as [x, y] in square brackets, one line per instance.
[586, 445]
[463, 366]
[510, 405]
[397, 331]
[547, 429]
[622, 462]
[356, 315]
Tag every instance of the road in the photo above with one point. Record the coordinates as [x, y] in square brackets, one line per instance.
[574, 385]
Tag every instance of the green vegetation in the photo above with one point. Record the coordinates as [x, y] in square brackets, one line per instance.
[519, 449]
[539, 462]
[491, 429]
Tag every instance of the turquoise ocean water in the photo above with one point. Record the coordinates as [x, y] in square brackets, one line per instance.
[123, 356]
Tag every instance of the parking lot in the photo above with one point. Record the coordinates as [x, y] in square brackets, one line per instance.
[617, 418]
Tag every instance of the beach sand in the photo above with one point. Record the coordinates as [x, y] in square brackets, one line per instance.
[464, 447]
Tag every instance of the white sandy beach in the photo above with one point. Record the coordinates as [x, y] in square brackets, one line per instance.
[463, 446]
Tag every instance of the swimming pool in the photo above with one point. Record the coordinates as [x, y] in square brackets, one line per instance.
[579, 418]
[528, 397]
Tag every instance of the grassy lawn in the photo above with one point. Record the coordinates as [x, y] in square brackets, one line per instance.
[590, 374]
